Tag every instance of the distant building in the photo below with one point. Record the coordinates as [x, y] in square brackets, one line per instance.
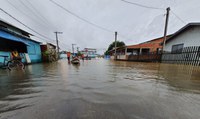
[138, 51]
[48, 52]
[14, 38]
[63, 54]
[148, 47]
[89, 52]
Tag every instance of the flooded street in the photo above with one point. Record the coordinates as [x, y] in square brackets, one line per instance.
[100, 89]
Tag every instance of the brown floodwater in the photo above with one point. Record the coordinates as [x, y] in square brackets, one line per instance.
[101, 89]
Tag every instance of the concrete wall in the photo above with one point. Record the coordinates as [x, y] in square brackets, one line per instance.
[121, 57]
[112, 57]
[191, 37]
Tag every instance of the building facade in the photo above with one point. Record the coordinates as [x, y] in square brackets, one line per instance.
[148, 47]
[188, 36]
[146, 51]
[184, 46]
[13, 38]
[89, 52]
[49, 53]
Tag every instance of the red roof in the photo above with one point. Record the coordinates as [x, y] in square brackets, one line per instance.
[148, 44]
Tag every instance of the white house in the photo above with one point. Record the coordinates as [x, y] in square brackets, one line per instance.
[183, 47]
[187, 36]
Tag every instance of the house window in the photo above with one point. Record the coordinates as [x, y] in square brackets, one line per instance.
[177, 48]
[145, 51]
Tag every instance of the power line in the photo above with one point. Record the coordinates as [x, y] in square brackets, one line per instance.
[24, 13]
[144, 6]
[32, 19]
[89, 22]
[95, 25]
[42, 38]
[24, 24]
[178, 17]
[77, 16]
[34, 12]
[38, 12]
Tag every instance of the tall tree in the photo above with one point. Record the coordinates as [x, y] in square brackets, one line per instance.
[112, 45]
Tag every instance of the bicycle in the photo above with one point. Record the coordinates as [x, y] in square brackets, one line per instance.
[15, 64]
[12, 64]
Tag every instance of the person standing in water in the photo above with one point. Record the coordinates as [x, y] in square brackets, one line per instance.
[82, 57]
[68, 56]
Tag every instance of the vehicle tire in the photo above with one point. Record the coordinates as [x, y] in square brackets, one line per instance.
[14, 64]
[20, 64]
[11, 65]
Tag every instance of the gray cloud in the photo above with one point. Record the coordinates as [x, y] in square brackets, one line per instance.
[135, 24]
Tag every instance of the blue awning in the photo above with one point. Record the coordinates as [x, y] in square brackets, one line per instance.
[9, 36]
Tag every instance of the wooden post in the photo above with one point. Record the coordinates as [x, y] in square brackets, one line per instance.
[73, 49]
[166, 26]
[115, 45]
[57, 43]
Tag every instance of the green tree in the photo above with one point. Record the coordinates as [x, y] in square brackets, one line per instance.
[79, 53]
[112, 45]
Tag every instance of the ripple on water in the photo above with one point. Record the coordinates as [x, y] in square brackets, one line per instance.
[101, 90]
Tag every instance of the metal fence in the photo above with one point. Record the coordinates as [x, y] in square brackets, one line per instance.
[187, 56]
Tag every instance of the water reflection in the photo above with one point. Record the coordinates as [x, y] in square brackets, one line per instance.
[181, 77]
[99, 89]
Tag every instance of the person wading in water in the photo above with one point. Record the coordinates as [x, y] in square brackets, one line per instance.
[68, 56]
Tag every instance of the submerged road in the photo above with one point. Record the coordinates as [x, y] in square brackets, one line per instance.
[101, 89]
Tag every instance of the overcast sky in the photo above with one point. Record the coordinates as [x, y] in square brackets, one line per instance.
[134, 24]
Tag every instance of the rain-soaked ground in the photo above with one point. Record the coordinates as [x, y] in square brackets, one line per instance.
[101, 89]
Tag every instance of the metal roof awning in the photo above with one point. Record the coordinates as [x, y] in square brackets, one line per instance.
[11, 37]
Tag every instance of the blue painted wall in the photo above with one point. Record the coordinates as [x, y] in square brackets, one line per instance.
[34, 52]
[8, 54]
[5, 54]
[33, 49]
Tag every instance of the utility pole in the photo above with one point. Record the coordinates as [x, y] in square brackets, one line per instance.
[77, 49]
[115, 45]
[73, 48]
[57, 41]
[166, 26]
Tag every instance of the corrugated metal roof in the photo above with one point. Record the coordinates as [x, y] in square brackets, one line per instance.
[28, 38]
[8, 36]
[9, 24]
